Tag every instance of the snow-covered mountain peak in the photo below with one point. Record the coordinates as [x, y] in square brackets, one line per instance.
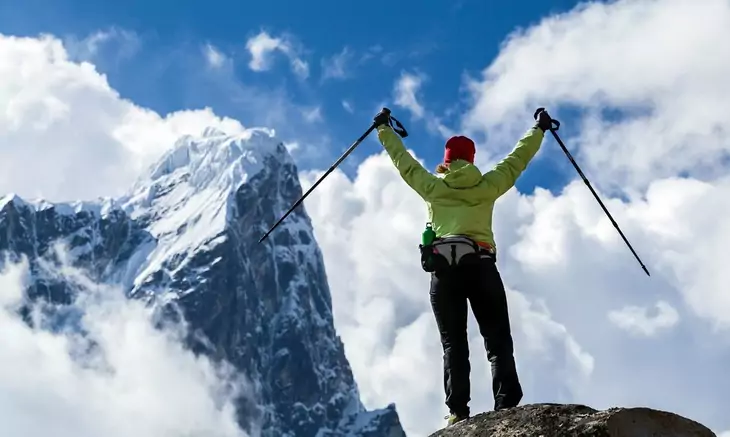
[187, 196]
[217, 158]
[187, 235]
[214, 163]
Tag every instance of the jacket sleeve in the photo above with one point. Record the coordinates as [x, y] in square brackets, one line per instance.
[418, 178]
[504, 175]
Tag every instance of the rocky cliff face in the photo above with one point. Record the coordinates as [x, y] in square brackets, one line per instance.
[186, 236]
[556, 420]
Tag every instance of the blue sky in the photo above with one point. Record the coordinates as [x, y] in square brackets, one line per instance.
[161, 65]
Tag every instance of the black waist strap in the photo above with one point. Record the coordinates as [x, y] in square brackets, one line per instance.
[454, 248]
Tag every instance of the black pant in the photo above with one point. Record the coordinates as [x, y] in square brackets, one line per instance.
[478, 281]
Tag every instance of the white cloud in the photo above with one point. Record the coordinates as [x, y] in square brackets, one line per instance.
[215, 57]
[300, 68]
[312, 114]
[658, 62]
[405, 93]
[62, 125]
[335, 67]
[660, 66]
[347, 106]
[89, 48]
[125, 377]
[636, 320]
[262, 46]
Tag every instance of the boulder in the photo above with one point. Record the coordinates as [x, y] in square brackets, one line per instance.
[570, 420]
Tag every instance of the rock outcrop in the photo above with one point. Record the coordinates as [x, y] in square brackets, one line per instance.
[558, 420]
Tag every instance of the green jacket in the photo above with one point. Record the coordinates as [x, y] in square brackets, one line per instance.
[461, 202]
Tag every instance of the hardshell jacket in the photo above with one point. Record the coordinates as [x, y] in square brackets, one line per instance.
[461, 202]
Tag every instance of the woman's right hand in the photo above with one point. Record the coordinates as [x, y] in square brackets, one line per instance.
[383, 117]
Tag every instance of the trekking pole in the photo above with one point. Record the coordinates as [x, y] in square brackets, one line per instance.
[585, 180]
[400, 130]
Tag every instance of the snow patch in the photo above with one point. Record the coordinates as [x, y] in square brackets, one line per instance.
[12, 198]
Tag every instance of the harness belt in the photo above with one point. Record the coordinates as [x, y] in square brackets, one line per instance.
[452, 251]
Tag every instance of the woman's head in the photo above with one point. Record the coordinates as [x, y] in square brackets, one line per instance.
[457, 147]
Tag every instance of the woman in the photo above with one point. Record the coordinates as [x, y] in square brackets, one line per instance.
[462, 259]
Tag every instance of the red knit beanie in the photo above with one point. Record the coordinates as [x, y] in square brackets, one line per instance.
[459, 147]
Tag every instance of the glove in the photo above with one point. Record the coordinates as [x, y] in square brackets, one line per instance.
[544, 122]
[383, 117]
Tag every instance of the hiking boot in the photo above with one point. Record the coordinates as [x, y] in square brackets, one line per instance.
[455, 418]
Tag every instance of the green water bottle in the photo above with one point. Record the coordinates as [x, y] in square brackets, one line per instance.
[428, 235]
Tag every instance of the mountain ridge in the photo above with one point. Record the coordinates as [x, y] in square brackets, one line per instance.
[186, 235]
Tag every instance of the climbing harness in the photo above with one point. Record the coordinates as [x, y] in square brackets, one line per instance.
[438, 254]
